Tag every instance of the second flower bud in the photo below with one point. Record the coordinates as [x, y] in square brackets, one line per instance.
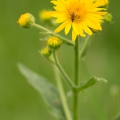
[54, 43]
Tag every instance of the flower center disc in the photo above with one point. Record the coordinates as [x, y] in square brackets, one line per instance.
[76, 12]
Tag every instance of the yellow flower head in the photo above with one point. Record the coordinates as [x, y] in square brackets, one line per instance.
[26, 20]
[44, 15]
[81, 15]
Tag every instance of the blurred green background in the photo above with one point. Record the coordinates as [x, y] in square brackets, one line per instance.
[19, 101]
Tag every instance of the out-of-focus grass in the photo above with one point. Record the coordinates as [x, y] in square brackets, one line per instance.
[18, 100]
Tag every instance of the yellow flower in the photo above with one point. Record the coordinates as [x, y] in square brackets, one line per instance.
[26, 20]
[81, 15]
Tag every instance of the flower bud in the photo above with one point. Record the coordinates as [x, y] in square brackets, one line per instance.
[26, 20]
[108, 17]
[45, 52]
[54, 43]
[44, 15]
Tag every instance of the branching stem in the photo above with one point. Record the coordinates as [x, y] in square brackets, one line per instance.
[66, 41]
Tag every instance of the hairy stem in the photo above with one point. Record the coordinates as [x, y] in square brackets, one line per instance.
[69, 42]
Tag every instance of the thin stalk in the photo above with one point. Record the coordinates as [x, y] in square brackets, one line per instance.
[68, 80]
[76, 49]
[75, 105]
[69, 42]
[84, 47]
[62, 95]
[51, 60]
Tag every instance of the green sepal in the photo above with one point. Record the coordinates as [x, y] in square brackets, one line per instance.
[49, 93]
[91, 82]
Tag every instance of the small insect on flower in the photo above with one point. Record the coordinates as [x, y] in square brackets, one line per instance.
[72, 17]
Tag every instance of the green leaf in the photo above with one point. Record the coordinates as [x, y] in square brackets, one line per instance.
[116, 117]
[91, 82]
[47, 90]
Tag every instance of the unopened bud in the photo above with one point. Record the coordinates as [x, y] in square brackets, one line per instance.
[108, 17]
[26, 20]
[45, 16]
[45, 52]
[54, 43]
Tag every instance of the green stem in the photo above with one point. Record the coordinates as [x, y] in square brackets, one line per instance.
[83, 47]
[51, 60]
[76, 62]
[68, 80]
[62, 95]
[69, 42]
[75, 105]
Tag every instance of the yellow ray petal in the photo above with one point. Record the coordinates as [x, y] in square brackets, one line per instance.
[62, 26]
[86, 29]
[80, 28]
[88, 1]
[75, 27]
[58, 8]
[93, 25]
[60, 19]
[68, 27]
[74, 35]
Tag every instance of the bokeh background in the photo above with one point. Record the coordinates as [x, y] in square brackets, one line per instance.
[19, 101]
